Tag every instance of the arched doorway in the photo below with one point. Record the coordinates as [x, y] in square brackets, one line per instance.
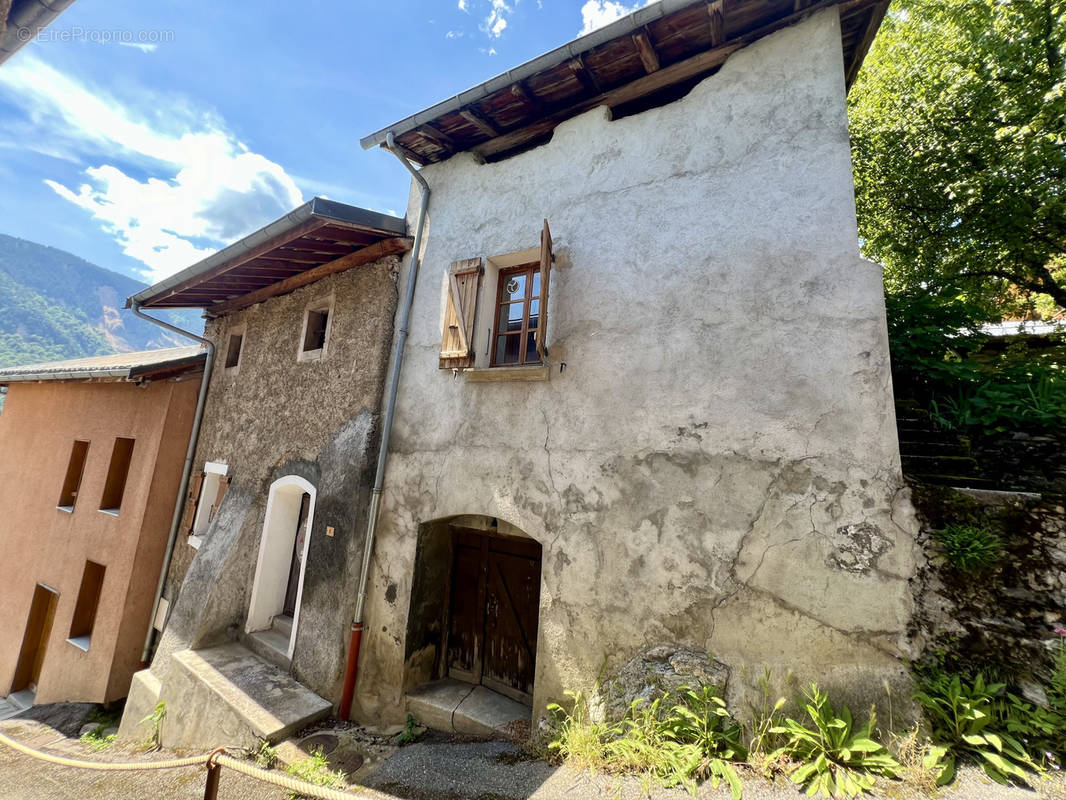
[476, 605]
[282, 562]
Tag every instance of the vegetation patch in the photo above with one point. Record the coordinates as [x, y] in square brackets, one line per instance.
[970, 548]
[315, 770]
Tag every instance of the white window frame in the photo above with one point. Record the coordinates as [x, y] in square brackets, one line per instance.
[320, 304]
[214, 472]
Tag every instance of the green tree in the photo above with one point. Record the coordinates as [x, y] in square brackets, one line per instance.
[958, 124]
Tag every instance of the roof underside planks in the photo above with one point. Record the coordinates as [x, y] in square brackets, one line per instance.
[318, 239]
[641, 66]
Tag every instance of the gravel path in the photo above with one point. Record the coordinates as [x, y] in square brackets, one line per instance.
[431, 770]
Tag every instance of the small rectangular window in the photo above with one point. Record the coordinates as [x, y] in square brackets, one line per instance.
[116, 475]
[233, 350]
[81, 626]
[315, 330]
[75, 468]
[517, 316]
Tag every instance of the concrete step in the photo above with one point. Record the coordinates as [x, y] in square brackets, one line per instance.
[926, 448]
[457, 707]
[23, 699]
[282, 624]
[8, 709]
[926, 435]
[271, 645]
[954, 481]
[951, 465]
[230, 696]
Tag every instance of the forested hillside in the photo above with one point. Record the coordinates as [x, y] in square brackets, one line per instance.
[54, 305]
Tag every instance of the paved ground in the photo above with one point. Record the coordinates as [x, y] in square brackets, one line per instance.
[436, 769]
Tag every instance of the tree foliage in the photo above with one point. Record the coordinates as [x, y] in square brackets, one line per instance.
[958, 124]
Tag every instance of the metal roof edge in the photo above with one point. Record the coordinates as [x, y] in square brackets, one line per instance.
[119, 373]
[30, 16]
[627, 24]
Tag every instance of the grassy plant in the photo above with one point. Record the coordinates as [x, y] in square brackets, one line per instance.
[836, 758]
[155, 719]
[411, 731]
[677, 740]
[764, 714]
[910, 750]
[96, 740]
[315, 770]
[970, 548]
[960, 714]
[266, 756]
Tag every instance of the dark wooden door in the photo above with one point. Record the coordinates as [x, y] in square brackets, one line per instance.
[495, 605]
[35, 639]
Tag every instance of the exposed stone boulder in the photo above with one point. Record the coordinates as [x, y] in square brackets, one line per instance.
[657, 670]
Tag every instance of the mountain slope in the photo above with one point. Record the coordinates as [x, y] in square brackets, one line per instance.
[54, 305]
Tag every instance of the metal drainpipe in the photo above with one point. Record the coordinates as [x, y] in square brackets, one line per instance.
[190, 454]
[351, 671]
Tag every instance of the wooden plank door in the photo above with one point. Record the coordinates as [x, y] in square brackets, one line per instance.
[495, 605]
[35, 639]
[512, 606]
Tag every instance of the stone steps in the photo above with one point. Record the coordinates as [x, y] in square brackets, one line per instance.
[457, 707]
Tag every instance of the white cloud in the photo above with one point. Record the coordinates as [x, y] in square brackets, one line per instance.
[462, 5]
[597, 13]
[453, 35]
[202, 188]
[496, 21]
[143, 47]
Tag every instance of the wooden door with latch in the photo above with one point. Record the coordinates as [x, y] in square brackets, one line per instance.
[495, 605]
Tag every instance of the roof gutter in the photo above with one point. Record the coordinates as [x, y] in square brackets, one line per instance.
[190, 454]
[351, 670]
[25, 23]
[628, 24]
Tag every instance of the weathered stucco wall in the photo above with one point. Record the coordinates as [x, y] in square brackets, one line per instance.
[274, 417]
[44, 544]
[717, 464]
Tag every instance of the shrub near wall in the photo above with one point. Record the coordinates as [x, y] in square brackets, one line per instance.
[994, 585]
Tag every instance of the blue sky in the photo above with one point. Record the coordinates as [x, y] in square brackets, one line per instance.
[213, 119]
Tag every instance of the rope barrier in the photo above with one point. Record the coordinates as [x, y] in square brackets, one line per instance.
[213, 761]
[103, 766]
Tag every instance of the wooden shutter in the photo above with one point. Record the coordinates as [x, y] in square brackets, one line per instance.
[457, 340]
[546, 258]
[223, 486]
[192, 500]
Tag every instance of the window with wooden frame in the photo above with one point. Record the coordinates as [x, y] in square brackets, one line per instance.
[203, 499]
[518, 300]
[117, 473]
[81, 624]
[68, 496]
[517, 308]
[314, 338]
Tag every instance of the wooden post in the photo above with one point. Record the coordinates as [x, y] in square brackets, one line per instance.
[214, 772]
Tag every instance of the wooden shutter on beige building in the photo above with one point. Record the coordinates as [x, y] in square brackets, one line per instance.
[457, 341]
[192, 500]
[223, 487]
[546, 258]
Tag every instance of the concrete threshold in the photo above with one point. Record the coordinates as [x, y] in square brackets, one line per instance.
[231, 689]
[457, 707]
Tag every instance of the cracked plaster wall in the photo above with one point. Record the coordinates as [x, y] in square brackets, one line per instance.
[717, 464]
[274, 417]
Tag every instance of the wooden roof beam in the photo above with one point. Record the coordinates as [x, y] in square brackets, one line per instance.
[386, 247]
[520, 91]
[877, 14]
[648, 57]
[584, 75]
[480, 122]
[438, 137]
[716, 12]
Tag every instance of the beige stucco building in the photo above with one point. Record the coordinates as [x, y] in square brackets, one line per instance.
[704, 453]
[91, 454]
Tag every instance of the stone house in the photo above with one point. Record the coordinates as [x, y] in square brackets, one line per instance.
[300, 315]
[645, 406]
[90, 458]
[647, 399]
